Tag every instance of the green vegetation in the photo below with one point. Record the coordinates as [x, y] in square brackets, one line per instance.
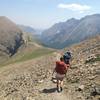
[36, 40]
[28, 56]
[92, 60]
[34, 54]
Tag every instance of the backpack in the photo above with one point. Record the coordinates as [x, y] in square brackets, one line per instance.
[61, 67]
[67, 57]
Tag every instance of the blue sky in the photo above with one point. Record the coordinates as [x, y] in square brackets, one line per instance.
[44, 13]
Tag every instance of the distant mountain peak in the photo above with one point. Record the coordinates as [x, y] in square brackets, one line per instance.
[27, 29]
[72, 19]
[3, 17]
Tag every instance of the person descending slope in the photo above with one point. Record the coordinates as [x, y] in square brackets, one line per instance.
[60, 69]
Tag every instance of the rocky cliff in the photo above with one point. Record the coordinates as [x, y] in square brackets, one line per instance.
[10, 36]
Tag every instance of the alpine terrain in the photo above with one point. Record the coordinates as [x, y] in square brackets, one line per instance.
[72, 31]
[31, 79]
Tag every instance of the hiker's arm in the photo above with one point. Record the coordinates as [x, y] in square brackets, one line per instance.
[67, 67]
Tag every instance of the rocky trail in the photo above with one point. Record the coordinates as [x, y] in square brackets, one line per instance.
[48, 92]
[29, 81]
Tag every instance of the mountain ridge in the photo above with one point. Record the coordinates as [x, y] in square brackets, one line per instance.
[72, 31]
[27, 29]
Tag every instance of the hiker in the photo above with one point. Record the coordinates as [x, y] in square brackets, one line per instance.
[60, 69]
[67, 57]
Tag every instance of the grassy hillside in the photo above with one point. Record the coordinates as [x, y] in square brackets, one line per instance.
[27, 53]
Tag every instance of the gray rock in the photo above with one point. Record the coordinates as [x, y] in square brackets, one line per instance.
[95, 90]
[81, 88]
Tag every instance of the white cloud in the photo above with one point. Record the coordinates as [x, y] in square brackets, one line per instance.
[75, 7]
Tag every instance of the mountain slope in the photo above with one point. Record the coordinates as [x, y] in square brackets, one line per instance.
[32, 79]
[72, 31]
[31, 34]
[10, 36]
[27, 29]
[88, 26]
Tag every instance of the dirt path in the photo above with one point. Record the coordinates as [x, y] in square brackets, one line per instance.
[17, 76]
[48, 92]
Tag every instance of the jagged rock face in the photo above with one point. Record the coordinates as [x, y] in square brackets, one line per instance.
[10, 36]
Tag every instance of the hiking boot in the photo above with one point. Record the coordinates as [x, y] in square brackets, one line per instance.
[59, 89]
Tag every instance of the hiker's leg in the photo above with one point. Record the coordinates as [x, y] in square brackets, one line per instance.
[62, 83]
[58, 80]
[58, 85]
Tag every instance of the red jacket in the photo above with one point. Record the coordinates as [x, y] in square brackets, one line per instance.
[61, 67]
